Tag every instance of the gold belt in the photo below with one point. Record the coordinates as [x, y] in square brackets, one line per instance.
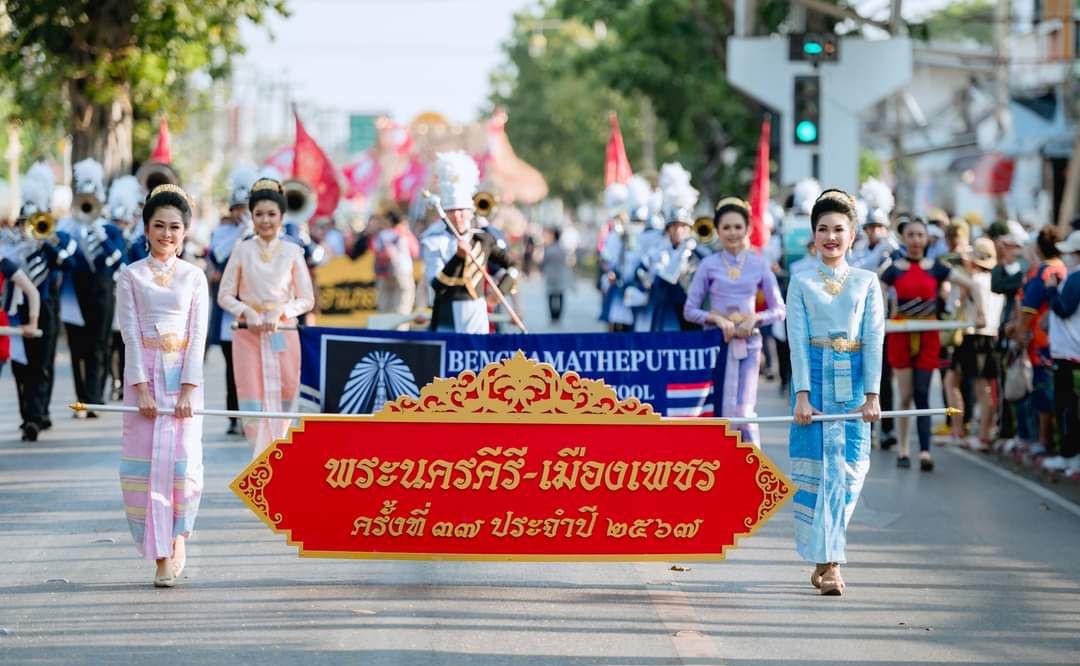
[837, 344]
[265, 307]
[167, 343]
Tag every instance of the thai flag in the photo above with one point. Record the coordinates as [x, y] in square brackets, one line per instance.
[693, 399]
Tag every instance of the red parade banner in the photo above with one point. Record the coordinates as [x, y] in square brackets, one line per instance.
[513, 463]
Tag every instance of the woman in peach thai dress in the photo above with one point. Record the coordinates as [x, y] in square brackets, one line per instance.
[163, 307]
[267, 286]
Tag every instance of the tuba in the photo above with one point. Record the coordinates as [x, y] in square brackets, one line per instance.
[86, 207]
[485, 204]
[152, 174]
[300, 201]
[42, 226]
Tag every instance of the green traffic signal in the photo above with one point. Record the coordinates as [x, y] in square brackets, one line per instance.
[812, 48]
[806, 131]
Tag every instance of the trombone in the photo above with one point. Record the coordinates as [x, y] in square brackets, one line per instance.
[485, 203]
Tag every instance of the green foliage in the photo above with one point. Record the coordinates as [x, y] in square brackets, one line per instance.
[961, 20]
[869, 165]
[670, 52]
[58, 56]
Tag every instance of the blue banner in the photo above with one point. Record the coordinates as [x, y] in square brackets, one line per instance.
[356, 371]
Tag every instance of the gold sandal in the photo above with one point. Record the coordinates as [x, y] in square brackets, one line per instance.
[819, 571]
[832, 585]
[167, 579]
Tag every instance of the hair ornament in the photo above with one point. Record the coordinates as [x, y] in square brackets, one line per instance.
[268, 184]
[175, 189]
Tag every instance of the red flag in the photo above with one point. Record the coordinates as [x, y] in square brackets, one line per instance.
[616, 165]
[759, 189]
[163, 148]
[311, 165]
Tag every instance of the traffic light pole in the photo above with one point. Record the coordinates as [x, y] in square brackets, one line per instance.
[864, 73]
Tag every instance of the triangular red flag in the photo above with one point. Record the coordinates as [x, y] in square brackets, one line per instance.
[311, 165]
[759, 189]
[616, 165]
[163, 147]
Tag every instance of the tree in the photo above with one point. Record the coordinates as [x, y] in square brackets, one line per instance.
[558, 115]
[97, 67]
[674, 52]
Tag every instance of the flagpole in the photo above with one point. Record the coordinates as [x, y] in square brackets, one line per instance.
[16, 331]
[435, 203]
[235, 413]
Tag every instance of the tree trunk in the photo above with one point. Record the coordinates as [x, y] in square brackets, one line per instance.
[101, 130]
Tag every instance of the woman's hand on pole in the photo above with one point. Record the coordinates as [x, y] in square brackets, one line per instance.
[147, 406]
[804, 411]
[183, 408]
[870, 409]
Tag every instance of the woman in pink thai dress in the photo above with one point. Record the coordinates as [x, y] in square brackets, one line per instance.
[163, 308]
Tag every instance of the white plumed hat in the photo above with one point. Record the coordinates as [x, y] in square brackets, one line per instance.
[638, 193]
[89, 178]
[806, 193]
[125, 195]
[879, 201]
[242, 177]
[616, 197]
[679, 196]
[37, 190]
[458, 177]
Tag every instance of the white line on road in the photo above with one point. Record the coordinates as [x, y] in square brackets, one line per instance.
[1048, 495]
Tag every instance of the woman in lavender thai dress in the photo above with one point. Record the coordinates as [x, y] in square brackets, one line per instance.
[163, 306]
[731, 279]
[836, 329]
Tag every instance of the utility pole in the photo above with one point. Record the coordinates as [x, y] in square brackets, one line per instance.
[903, 188]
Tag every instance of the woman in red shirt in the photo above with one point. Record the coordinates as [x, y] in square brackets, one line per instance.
[914, 357]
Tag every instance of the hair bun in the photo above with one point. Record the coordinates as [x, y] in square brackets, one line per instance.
[169, 187]
[268, 184]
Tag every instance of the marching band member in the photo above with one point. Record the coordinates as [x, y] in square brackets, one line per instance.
[674, 261]
[122, 208]
[89, 316]
[642, 237]
[458, 302]
[232, 229]
[877, 245]
[836, 329]
[42, 257]
[613, 260]
[15, 287]
[917, 282]
[267, 283]
[164, 304]
[731, 279]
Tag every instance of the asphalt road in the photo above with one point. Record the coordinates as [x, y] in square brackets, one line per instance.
[961, 566]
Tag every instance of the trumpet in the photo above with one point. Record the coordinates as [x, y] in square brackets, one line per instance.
[42, 225]
[300, 201]
[705, 230]
[152, 174]
[485, 204]
[86, 207]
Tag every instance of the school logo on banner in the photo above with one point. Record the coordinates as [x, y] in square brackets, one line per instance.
[366, 373]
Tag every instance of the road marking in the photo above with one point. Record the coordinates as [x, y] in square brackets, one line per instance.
[674, 608]
[1048, 495]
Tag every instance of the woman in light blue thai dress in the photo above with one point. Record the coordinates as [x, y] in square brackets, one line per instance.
[836, 329]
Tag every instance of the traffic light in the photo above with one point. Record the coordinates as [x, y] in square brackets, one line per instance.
[813, 47]
[807, 110]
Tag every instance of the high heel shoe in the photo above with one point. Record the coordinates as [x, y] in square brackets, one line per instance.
[819, 571]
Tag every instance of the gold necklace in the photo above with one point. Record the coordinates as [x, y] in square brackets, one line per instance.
[833, 286]
[734, 271]
[162, 277]
[267, 253]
